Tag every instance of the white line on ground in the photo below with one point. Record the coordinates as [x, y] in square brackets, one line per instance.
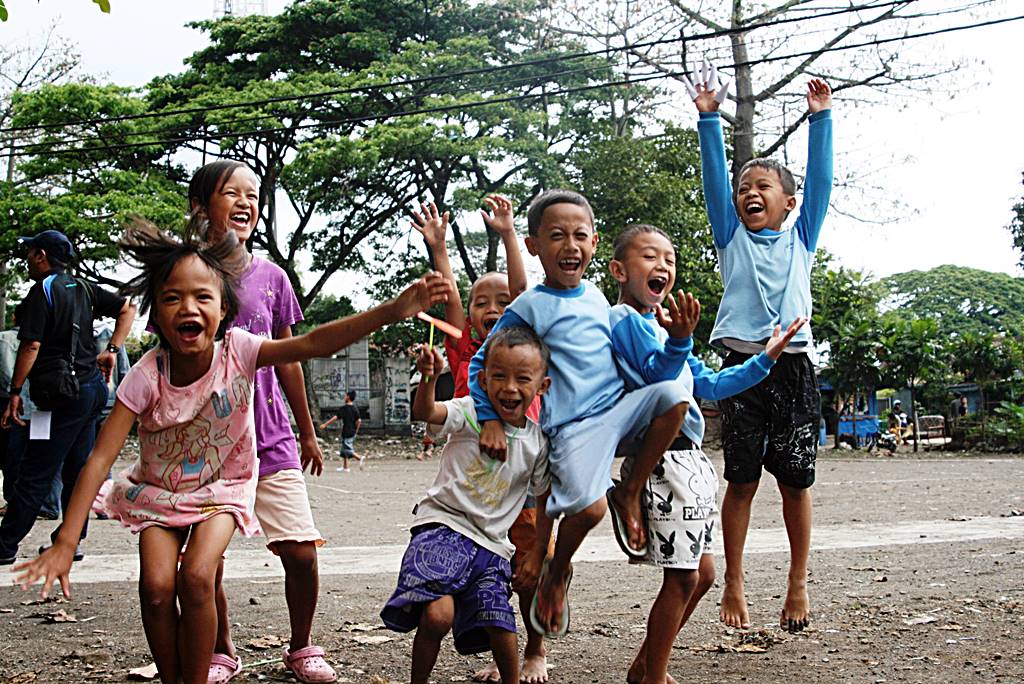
[364, 560]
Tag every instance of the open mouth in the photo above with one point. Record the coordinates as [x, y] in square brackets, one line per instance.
[241, 218]
[570, 265]
[510, 405]
[489, 322]
[753, 208]
[657, 285]
[190, 331]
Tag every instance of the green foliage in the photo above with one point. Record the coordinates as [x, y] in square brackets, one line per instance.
[1016, 229]
[653, 180]
[104, 6]
[324, 309]
[1006, 427]
[89, 195]
[960, 299]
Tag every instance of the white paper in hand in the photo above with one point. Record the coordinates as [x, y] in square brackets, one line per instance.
[39, 425]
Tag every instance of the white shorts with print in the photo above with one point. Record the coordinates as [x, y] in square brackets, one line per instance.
[681, 505]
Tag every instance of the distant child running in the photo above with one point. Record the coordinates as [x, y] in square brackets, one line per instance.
[456, 573]
[654, 345]
[350, 424]
[766, 271]
[488, 296]
[587, 411]
[196, 477]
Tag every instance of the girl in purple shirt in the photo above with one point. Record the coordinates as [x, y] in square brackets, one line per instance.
[228, 193]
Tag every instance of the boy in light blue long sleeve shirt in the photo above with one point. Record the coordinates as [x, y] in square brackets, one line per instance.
[766, 273]
[682, 490]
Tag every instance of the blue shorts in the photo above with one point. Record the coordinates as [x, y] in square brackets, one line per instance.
[582, 452]
[348, 446]
[441, 562]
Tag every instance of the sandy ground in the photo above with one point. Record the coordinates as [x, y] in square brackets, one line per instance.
[917, 576]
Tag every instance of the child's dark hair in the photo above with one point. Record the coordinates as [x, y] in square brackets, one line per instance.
[624, 239]
[210, 178]
[536, 211]
[785, 176]
[350, 395]
[514, 336]
[156, 253]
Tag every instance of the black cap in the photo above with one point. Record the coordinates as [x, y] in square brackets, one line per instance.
[53, 242]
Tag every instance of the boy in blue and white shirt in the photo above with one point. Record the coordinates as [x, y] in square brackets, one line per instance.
[652, 345]
[766, 271]
[587, 411]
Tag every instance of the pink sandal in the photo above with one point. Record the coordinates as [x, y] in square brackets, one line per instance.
[223, 669]
[308, 665]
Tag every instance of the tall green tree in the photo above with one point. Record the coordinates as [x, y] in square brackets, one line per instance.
[910, 354]
[959, 299]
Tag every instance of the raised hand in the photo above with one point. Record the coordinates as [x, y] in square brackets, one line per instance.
[819, 96]
[682, 317]
[500, 218]
[705, 89]
[780, 341]
[430, 224]
[52, 564]
[433, 288]
[429, 362]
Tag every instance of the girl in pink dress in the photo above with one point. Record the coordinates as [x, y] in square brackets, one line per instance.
[193, 398]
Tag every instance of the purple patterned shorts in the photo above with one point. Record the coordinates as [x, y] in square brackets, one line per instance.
[441, 562]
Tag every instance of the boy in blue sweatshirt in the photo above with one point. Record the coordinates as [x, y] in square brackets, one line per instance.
[587, 410]
[766, 271]
[652, 345]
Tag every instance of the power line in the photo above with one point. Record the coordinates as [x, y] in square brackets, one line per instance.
[457, 74]
[507, 99]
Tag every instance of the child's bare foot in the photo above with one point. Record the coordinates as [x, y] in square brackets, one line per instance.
[488, 674]
[534, 670]
[629, 510]
[796, 611]
[638, 670]
[733, 611]
[551, 601]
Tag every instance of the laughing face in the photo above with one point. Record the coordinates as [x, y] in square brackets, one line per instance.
[235, 205]
[487, 301]
[564, 243]
[189, 308]
[647, 271]
[512, 377]
[760, 199]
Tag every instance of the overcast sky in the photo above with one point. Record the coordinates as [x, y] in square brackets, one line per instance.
[964, 155]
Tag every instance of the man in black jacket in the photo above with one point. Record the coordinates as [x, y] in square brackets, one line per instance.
[53, 308]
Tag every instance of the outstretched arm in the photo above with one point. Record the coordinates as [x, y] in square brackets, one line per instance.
[818, 184]
[55, 562]
[500, 221]
[707, 97]
[434, 229]
[327, 339]
[708, 384]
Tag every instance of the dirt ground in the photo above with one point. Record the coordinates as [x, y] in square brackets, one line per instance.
[907, 610]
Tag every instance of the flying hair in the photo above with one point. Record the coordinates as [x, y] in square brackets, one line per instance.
[156, 252]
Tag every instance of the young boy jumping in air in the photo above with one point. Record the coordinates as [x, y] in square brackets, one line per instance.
[588, 411]
[682, 492]
[766, 272]
[456, 571]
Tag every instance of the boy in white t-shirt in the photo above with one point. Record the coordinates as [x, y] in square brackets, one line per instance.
[456, 571]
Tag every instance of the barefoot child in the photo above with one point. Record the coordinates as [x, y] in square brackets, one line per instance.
[196, 478]
[766, 272]
[682, 491]
[488, 297]
[226, 195]
[588, 411]
[456, 571]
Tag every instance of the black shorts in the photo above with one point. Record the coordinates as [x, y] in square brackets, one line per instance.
[774, 424]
